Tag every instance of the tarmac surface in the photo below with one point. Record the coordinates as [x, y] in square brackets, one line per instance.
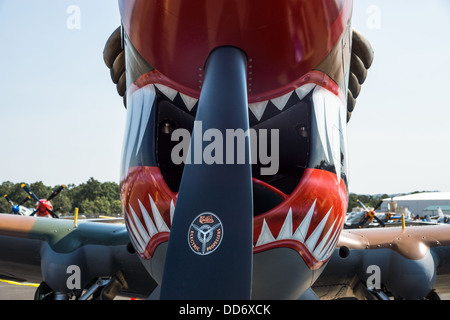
[9, 291]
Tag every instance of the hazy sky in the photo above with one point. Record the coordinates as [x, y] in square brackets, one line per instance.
[399, 133]
[62, 121]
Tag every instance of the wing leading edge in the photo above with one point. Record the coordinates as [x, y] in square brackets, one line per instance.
[69, 258]
[409, 263]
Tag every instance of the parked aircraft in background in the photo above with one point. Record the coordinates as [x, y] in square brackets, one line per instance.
[44, 208]
[19, 208]
[365, 218]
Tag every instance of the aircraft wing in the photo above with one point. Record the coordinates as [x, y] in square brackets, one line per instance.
[410, 263]
[57, 252]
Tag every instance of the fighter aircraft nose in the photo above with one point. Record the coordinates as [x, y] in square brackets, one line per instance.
[44, 204]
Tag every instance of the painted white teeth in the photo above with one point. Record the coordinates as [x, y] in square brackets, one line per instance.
[265, 236]
[160, 224]
[320, 251]
[329, 114]
[280, 102]
[328, 250]
[314, 237]
[148, 94]
[188, 101]
[301, 92]
[134, 234]
[258, 109]
[304, 90]
[167, 91]
[320, 247]
[172, 210]
[132, 237]
[141, 233]
[148, 221]
[137, 119]
[302, 230]
[286, 229]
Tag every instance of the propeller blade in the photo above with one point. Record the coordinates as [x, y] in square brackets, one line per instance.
[34, 212]
[31, 193]
[24, 200]
[56, 192]
[362, 204]
[378, 205]
[54, 215]
[380, 221]
[210, 252]
[8, 199]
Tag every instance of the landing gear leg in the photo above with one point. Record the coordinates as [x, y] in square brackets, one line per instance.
[106, 288]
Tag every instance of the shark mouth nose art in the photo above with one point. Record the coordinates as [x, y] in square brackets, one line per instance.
[304, 217]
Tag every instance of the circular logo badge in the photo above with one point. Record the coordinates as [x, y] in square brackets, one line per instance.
[205, 233]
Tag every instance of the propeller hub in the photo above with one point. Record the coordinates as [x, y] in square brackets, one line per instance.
[42, 206]
[16, 208]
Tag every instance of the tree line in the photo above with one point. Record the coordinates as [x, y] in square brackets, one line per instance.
[91, 198]
[370, 201]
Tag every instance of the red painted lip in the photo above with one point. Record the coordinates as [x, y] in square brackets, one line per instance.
[308, 221]
[294, 37]
[316, 77]
[149, 206]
